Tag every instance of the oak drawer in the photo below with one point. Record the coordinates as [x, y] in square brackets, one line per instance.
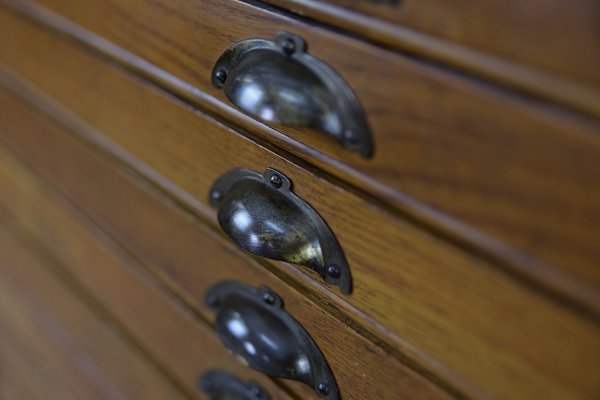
[45, 316]
[175, 248]
[176, 345]
[555, 36]
[412, 290]
[509, 177]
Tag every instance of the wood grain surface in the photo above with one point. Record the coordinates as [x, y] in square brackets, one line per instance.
[88, 353]
[441, 302]
[163, 329]
[142, 223]
[26, 374]
[503, 176]
[554, 37]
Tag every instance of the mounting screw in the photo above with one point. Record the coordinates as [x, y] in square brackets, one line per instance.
[216, 196]
[212, 300]
[221, 76]
[268, 298]
[288, 46]
[351, 136]
[334, 271]
[276, 180]
[323, 389]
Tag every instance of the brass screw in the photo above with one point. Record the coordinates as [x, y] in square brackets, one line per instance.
[216, 196]
[276, 180]
[334, 271]
[288, 46]
[268, 298]
[323, 389]
[351, 136]
[221, 76]
[212, 300]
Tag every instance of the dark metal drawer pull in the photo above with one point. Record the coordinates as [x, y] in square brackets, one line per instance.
[278, 81]
[262, 215]
[220, 385]
[253, 325]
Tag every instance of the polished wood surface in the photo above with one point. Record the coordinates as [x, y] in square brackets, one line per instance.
[25, 374]
[471, 234]
[160, 326]
[141, 222]
[513, 179]
[501, 40]
[458, 297]
[584, 292]
[93, 360]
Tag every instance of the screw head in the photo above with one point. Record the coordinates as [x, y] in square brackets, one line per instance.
[334, 271]
[221, 76]
[276, 180]
[323, 389]
[288, 46]
[212, 300]
[268, 298]
[216, 196]
[351, 136]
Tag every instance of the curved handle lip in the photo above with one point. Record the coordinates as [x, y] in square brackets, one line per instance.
[353, 133]
[333, 269]
[221, 385]
[227, 294]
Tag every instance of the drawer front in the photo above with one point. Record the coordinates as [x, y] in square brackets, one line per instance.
[171, 338]
[556, 36]
[45, 316]
[174, 246]
[425, 297]
[16, 381]
[471, 156]
[26, 373]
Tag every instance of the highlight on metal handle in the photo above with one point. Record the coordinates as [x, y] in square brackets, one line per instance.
[277, 81]
[262, 215]
[221, 385]
[253, 325]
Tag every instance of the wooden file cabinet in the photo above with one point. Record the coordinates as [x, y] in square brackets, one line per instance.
[444, 188]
